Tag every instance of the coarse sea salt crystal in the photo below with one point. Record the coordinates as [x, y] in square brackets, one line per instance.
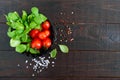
[53, 65]
[53, 62]
[33, 75]
[26, 61]
[18, 65]
[72, 12]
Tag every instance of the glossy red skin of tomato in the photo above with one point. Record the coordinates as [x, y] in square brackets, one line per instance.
[46, 25]
[36, 43]
[33, 33]
[47, 42]
[47, 32]
[42, 35]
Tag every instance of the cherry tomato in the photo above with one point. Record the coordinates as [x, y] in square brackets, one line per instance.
[47, 32]
[36, 43]
[47, 42]
[42, 35]
[33, 33]
[46, 25]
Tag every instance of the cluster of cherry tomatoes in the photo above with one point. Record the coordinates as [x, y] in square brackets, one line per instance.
[41, 38]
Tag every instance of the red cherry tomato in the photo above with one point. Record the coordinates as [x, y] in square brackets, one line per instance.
[36, 43]
[47, 32]
[47, 42]
[33, 33]
[46, 25]
[42, 35]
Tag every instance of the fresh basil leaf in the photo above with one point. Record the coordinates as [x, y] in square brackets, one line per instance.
[13, 16]
[24, 15]
[7, 18]
[32, 24]
[8, 23]
[16, 14]
[11, 34]
[38, 20]
[64, 48]
[38, 27]
[24, 37]
[14, 42]
[30, 18]
[17, 37]
[35, 11]
[19, 26]
[27, 47]
[26, 24]
[34, 51]
[20, 48]
[43, 18]
[27, 30]
[19, 31]
[53, 53]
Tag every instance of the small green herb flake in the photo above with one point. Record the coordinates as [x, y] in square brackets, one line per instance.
[64, 48]
[53, 53]
[20, 48]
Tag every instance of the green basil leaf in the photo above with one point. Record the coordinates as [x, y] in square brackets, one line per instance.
[13, 16]
[24, 15]
[28, 47]
[26, 24]
[34, 51]
[19, 31]
[30, 18]
[7, 18]
[35, 11]
[53, 53]
[24, 37]
[19, 26]
[38, 20]
[38, 27]
[64, 48]
[11, 34]
[20, 48]
[43, 18]
[32, 24]
[14, 42]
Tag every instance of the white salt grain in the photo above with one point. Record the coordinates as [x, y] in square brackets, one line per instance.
[53, 65]
[61, 13]
[30, 64]
[72, 12]
[49, 57]
[18, 65]
[40, 70]
[26, 61]
[53, 62]
[33, 75]
[27, 67]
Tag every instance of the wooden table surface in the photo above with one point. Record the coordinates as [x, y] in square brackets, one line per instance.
[94, 52]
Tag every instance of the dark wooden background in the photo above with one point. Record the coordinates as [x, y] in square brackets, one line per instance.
[94, 53]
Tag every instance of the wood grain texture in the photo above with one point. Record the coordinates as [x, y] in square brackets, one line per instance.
[95, 11]
[94, 53]
[75, 64]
